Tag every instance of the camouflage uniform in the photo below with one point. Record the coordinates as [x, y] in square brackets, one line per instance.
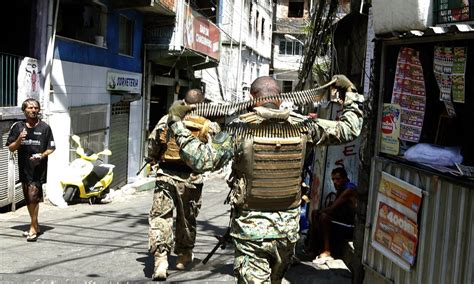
[176, 188]
[264, 241]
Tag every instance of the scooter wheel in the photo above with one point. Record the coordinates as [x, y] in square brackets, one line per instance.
[69, 193]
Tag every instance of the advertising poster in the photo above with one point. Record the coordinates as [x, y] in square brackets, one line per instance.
[443, 65]
[458, 78]
[390, 143]
[395, 229]
[449, 69]
[28, 80]
[409, 93]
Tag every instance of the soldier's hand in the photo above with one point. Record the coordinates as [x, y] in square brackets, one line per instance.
[178, 111]
[342, 83]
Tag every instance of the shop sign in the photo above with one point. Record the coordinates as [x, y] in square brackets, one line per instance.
[124, 82]
[200, 34]
[395, 229]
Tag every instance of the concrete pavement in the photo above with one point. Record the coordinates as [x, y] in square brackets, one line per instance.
[107, 243]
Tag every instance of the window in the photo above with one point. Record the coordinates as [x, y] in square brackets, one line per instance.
[250, 17]
[295, 9]
[84, 20]
[287, 86]
[263, 27]
[257, 27]
[290, 47]
[125, 35]
[90, 124]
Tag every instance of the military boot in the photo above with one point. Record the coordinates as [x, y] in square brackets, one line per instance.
[161, 266]
[184, 259]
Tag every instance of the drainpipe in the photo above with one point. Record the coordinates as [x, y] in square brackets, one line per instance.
[48, 67]
[147, 81]
[231, 37]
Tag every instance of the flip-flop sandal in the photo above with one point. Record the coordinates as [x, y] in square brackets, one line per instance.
[32, 238]
[26, 233]
[322, 260]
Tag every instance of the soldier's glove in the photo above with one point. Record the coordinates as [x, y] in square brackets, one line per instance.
[344, 84]
[340, 87]
[178, 111]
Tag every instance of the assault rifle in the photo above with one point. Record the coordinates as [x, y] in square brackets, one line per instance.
[147, 161]
[222, 242]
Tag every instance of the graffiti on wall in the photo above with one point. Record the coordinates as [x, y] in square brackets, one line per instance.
[344, 155]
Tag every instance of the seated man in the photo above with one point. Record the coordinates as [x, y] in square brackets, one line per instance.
[340, 213]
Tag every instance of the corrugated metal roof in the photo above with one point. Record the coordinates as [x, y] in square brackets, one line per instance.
[431, 31]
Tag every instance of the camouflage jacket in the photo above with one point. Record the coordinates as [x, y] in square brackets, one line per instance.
[156, 150]
[255, 225]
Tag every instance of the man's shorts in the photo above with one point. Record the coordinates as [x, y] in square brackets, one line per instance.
[345, 214]
[33, 192]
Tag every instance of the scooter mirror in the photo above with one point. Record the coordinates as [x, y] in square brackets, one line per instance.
[105, 152]
[80, 151]
[76, 139]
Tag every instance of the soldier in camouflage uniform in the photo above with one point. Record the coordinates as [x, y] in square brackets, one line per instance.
[177, 187]
[267, 148]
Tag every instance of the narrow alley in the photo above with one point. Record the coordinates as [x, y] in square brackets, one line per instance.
[108, 243]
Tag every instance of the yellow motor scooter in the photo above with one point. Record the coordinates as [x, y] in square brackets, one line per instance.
[87, 177]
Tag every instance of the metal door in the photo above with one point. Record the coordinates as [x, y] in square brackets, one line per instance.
[6, 197]
[118, 142]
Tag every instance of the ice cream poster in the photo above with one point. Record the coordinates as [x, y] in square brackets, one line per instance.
[395, 230]
[390, 143]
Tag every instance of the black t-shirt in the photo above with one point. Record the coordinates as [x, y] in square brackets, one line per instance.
[39, 139]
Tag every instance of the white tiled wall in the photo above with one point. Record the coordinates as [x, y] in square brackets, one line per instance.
[80, 85]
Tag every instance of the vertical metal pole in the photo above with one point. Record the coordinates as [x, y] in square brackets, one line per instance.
[48, 68]
[238, 89]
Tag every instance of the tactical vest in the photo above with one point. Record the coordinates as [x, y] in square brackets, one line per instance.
[199, 127]
[269, 164]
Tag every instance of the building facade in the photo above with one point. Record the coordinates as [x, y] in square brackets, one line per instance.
[245, 27]
[83, 62]
[291, 17]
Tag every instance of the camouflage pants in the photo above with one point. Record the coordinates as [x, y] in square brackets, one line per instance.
[186, 199]
[262, 261]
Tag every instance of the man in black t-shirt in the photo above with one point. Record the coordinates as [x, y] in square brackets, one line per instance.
[34, 141]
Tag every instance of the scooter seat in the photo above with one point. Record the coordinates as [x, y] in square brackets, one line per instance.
[100, 172]
[97, 174]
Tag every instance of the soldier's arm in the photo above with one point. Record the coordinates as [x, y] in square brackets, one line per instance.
[200, 156]
[154, 143]
[347, 128]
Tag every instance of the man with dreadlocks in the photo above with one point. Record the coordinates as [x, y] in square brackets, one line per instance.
[267, 146]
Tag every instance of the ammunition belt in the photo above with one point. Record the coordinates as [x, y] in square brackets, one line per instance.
[298, 98]
[271, 130]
